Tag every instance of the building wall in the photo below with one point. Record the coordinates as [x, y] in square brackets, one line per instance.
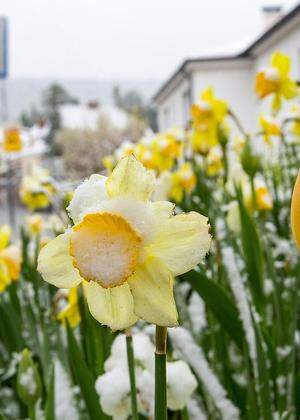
[235, 85]
[172, 110]
[232, 81]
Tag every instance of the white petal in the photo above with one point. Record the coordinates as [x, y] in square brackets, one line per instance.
[87, 195]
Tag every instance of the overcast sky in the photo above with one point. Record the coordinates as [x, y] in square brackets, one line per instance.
[122, 38]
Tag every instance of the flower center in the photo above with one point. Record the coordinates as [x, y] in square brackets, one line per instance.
[105, 248]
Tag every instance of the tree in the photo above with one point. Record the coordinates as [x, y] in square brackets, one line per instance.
[53, 97]
[132, 103]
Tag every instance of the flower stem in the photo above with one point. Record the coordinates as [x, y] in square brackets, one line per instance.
[31, 412]
[130, 359]
[160, 374]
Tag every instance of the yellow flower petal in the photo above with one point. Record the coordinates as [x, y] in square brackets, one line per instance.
[162, 210]
[130, 178]
[295, 211]
[56, 265]
[182, 242]
[5, 232]
[281, 62]
[112, 307]
[12, 257]
[152, 290]
[4, 276]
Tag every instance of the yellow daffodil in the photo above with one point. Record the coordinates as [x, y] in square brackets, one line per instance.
[276, 80]
[295, 120]
[183, 181]
[70, 312]
[109, 162]
[214, 161]
[10, 259]
[126, 247]
[37, 189]
[167, 145]
[12, 140]
[35, 224]
[263, 198]
[126, 149]
[239, 144]
[295, 211]
[209, 108]
[270, 127]
[207, 115]
[33, 195]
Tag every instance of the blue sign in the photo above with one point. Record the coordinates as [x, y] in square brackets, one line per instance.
[3, 47]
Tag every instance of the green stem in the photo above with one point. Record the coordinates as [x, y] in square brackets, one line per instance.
[161, 374]
[185, 414]
[130, 359]
[253, 192]
[31, 411]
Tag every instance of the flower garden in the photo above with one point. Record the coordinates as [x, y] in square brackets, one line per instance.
[166, 288]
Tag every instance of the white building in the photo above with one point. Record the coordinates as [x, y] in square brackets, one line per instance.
[231, 75]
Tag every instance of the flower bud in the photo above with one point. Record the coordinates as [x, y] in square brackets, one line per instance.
[250, 162]
[28, 380]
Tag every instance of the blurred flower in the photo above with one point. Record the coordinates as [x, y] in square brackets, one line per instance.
[270, 127]
[12, 139]
[37, 189]
[162, 187]
[70, 312]
[126, 149]
[10, 259]
[233, 218]
[239, 144]
[146, 246]
[207, 115]
[183, 182]
[214, 161]
[35, 224]
[276, 80]
[33, 195]
[109, 163]
[295, 211]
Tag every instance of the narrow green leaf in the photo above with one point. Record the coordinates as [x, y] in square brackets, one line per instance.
[50, 402]
[219, 302]
[253, 255]
[84, 378]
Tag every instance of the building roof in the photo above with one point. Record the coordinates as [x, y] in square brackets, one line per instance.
[245, 53]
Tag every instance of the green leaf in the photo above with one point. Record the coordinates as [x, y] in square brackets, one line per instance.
[253, 255]
[93, 339]
[264, 391]
[84, 378]
[50, 402]
[219, 302]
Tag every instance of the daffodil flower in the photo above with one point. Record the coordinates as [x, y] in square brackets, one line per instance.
[183, 181]
[276, 80]
[127, 248]
[270, 127]
[70, 312]
[12, 140]
[295, 212]
[10, 259]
